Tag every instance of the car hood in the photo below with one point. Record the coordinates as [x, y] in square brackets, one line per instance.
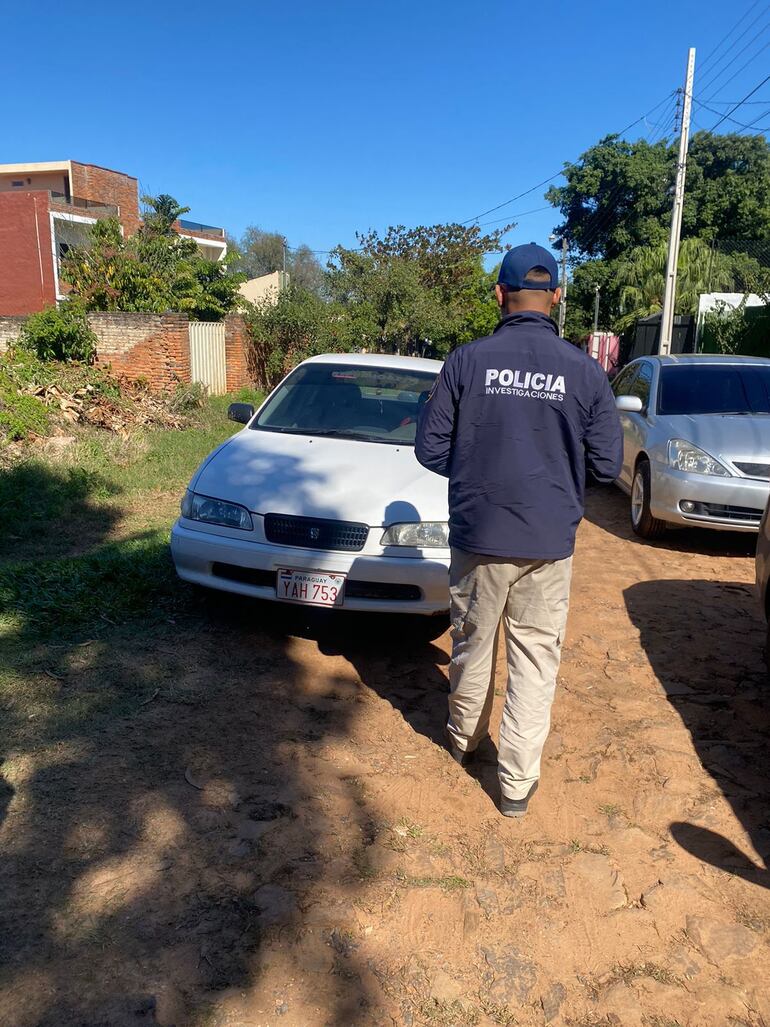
[725, 436]
[268, 472]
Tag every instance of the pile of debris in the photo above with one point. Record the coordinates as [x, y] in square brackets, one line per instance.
[137, 407]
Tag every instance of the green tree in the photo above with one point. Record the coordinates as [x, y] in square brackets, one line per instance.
[614, 198]
[155, 270]
[728, 187]
[617, 201]
[641, 277]
[417, 290]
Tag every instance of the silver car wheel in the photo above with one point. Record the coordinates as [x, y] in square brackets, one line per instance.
[637, 499]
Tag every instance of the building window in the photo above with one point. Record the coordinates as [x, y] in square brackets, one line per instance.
[17, 185]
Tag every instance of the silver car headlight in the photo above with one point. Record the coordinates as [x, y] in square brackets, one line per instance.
[215, 511]
[423, 535]
[684, 456]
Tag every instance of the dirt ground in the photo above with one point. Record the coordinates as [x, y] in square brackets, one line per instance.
[274, 835]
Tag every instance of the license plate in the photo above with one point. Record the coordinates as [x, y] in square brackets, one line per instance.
[316, 588]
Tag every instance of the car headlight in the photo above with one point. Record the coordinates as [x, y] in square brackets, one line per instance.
[215, 511]
[685, 457]
[423, 535]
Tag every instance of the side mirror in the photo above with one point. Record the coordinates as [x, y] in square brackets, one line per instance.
[629, 404]
[240, 412]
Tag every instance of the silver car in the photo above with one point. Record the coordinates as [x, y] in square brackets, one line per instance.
[696, 441]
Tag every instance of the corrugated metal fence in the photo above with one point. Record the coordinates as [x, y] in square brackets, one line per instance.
[207, 355]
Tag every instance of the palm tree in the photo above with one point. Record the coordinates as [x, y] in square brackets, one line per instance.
[642, 279]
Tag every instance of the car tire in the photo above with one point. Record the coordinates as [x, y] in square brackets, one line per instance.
[643, 523]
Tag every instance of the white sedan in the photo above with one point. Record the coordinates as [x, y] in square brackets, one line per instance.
[319, 500]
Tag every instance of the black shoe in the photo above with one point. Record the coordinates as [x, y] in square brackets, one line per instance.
[458, 755]
[516, 807]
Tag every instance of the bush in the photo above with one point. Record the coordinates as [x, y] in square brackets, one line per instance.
[187, 397]
[60, 333]
[281, 334]
[21, 416]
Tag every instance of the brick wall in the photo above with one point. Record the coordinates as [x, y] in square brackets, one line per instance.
[95, 183]
[235, 353]
[155, 347]
[26, 260]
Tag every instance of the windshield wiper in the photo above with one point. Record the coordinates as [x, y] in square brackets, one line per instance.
[335, 433]
[341, 433]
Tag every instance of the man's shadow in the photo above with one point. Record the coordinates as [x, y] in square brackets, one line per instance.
[704, 642]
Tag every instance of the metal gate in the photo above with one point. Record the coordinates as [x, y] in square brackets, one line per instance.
[207, 355]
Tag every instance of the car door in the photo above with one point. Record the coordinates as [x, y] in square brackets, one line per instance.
[622, 386]
[636, 426]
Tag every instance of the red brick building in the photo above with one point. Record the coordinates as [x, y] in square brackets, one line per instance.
[48, 207]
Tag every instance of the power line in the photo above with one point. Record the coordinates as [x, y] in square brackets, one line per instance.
[761, 117]
[667, 124]
[715, 75]
[735, 121]
[724, 39]
[513, 198]
[746, 103]
[558, 174]
[743, 68]
[740, 102]
[521, 214]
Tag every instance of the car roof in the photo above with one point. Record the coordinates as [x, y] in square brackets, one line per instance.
[384, 360]
[703, 358]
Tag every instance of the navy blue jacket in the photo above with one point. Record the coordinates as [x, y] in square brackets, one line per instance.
[512, 421]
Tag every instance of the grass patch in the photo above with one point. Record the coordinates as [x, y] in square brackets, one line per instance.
[67, 597]
[439, 1013]
[449, 883]
[51, 506]
[610, 809]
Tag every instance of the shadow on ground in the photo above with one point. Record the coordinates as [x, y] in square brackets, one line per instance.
[48, 511]
[704, 641]
[179, 834]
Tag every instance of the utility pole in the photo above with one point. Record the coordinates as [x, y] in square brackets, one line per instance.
[669, 296]
[597, 290]
[563, 300]
[283, 276]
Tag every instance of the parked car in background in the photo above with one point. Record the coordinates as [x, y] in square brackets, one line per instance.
[319, 499]
[696, 441]
[763, 575]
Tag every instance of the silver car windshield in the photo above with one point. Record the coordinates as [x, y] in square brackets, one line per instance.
[714, 389]
[376, 404]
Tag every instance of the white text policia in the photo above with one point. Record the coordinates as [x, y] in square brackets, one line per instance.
[533, 384]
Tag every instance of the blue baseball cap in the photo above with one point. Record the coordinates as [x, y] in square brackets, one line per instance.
[519, 261]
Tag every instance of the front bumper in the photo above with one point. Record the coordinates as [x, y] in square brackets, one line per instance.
[727, 504]
[248, 568]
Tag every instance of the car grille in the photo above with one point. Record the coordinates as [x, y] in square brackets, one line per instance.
[754, 470]
[375, 590]
[313, 533]
[739, 514]
[387, 590]
[246, 575]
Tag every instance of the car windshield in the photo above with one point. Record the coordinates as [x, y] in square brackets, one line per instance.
[376, 404]
[715, 389]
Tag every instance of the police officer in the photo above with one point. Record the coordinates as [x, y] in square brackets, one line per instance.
[512, 422]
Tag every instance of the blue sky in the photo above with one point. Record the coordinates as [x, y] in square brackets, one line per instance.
[319, 118]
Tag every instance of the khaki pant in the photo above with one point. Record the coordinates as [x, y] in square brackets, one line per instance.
[532, 598]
